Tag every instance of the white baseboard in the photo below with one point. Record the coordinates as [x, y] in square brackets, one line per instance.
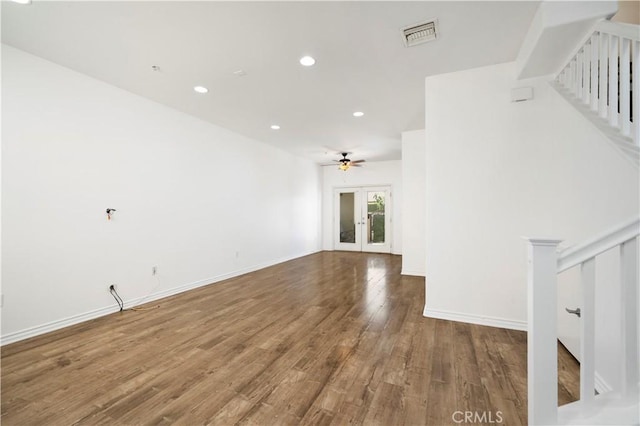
[76, 319]
[476, 319]
[55, 325]
[607, 409]
[413, 273]
[600, 383]
[176, 290]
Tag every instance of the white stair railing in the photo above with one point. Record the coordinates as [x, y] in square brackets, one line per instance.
[599, 81]
[545, 263]
[603, 76]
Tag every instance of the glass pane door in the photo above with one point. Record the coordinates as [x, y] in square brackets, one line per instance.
[376, 220]
[347, 219]
[376, 217]
[362, 219]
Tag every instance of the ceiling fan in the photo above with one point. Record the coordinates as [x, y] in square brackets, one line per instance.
[345, 163]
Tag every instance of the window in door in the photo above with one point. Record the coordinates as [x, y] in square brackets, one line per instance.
[362, 219]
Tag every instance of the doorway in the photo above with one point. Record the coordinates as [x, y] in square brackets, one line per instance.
[362, 219]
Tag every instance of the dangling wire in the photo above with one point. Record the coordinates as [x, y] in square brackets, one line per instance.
[120, 302]
[116, 296]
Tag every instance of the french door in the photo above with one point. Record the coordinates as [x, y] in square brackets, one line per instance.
[362, 219]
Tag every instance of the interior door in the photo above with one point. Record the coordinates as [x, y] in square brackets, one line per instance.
[362, 219]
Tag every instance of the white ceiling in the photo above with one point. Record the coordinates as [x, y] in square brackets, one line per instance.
[362, 64]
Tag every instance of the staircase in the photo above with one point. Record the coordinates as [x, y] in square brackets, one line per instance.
[599, 81]
[602, 81]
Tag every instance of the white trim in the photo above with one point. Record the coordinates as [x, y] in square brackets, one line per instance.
[608, 409]
[76, 319]
[575, 255]
[619, 29]
[55, 325]
[601, 384]
[476, 319]
[413, 273]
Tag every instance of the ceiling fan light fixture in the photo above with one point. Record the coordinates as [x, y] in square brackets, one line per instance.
[345, 163]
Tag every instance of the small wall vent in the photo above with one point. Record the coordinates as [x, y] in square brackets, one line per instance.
[420, 33]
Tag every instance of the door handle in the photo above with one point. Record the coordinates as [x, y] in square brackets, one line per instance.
[575, 311]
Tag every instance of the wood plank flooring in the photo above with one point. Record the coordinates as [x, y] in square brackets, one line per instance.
[334, 338]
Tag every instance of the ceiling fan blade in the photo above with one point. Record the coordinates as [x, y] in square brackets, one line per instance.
[355, 165]
[358, 161]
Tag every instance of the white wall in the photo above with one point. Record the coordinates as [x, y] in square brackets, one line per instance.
[497, 171]
[413, 194]
[371, 174]
[200, 202]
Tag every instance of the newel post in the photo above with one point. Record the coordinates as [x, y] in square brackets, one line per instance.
[542, 346]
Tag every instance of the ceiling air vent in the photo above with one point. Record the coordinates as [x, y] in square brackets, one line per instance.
[420, 33]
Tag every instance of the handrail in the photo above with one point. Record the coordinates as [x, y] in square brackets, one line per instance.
[599, 79]
[545, 262]
[575, 255]
[598, 76]
[620, 29]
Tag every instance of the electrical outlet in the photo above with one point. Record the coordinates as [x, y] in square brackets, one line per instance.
[154, 270]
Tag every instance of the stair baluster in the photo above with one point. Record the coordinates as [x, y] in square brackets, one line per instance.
[599, 81]
[544, 264]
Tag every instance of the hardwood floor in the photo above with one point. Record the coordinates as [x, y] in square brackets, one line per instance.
[332, 338]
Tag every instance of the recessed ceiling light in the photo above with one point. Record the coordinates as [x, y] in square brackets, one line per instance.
[200, 89]
[307, 61]
[275, 127]
[22, 1]
[358, 114]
